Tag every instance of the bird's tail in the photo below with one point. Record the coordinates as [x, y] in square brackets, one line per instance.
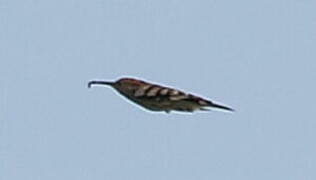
[214, 105]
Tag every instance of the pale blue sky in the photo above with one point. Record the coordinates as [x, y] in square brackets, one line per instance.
[256, 56]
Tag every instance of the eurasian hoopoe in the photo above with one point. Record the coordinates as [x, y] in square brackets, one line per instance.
[158, 98]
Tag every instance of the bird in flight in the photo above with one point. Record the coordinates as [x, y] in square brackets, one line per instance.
[155, 97]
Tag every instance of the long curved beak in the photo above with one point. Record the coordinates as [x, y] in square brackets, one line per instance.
[100, 83]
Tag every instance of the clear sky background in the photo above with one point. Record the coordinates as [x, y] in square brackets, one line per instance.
[256, 56]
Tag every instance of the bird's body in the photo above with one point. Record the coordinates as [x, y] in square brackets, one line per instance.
[158, 98]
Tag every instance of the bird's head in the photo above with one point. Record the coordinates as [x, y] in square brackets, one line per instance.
[123, 85]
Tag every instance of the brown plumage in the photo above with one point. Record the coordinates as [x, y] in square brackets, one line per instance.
[159, 98]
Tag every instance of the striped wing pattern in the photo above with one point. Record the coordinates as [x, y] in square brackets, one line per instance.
[159, 98]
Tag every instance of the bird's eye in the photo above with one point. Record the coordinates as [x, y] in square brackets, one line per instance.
[119, 83]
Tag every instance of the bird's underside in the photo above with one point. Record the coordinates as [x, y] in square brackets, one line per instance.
[159, 98]
[167, 105]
